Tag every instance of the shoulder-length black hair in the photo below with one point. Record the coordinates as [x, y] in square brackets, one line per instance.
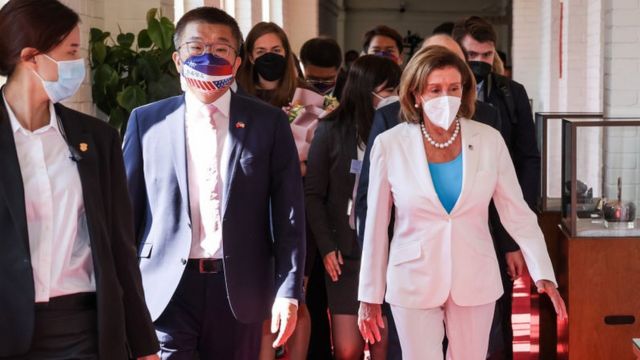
[356, 105]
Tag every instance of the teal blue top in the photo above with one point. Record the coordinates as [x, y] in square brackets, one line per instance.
[447, 180]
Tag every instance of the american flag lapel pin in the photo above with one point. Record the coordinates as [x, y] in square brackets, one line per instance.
[240, 125]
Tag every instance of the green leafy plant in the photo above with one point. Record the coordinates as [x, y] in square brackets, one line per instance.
[125, 77]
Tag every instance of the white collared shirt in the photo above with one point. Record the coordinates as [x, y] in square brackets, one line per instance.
[56, 220]
[200, 137]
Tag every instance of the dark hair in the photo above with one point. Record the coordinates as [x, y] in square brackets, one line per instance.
[40, 24]
[382, 30]
[351, 56]
[415, 75]
[444, 28]
[247, 75]
[322, 52]
[356, 105]
[208, 15]
[476, 27]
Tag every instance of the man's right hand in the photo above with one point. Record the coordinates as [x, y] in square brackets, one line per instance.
[332, 262]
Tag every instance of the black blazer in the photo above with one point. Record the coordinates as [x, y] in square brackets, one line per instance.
[386, 118]
[124, 326]
[329, 187]
[518, 132]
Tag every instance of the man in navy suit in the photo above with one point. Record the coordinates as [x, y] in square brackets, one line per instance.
[215, 183]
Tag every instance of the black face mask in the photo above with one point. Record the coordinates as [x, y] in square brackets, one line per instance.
[322, 87]
[480, 70]
[271, 66]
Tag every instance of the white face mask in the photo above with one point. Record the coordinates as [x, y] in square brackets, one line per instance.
[442, 111]
[70, 76]
[384, 101]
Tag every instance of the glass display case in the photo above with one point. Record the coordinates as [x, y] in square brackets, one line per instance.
[548, 135]
[600, 177]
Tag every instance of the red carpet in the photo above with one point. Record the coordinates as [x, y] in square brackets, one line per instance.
[524, 322]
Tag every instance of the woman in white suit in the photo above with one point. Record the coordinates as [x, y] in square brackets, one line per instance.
[440, 171]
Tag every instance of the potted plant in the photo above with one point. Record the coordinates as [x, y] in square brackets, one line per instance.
[129, 72]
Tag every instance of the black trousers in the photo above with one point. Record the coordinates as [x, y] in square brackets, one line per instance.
[198, 323]
[66, 328]
[320, 342]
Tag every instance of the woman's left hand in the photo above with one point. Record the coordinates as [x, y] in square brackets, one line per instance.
[370, 321]
[546, 286]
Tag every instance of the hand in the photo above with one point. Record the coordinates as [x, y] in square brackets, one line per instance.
[370, 321]
[515, 264]
[284, 316]
[149, 357]
[546, 286]
[332, 262]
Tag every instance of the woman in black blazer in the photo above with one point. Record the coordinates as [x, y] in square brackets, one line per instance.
[333, 165]
[69, 278]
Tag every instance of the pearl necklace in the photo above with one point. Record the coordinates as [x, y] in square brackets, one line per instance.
[437, 144]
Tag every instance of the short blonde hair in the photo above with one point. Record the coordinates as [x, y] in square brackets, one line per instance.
[415, 75]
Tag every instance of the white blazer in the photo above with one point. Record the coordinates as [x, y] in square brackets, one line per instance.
[433, 253]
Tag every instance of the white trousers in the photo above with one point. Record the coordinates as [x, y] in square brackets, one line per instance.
[421, 331]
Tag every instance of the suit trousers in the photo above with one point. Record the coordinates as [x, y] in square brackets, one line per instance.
[198, 322]
[421, 331]
[65, 328]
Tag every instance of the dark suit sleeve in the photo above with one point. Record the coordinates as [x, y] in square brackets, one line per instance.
[287, 209]
[132, 152]
[378, 126]
[526, 156]
[140, 331]
[316, 186]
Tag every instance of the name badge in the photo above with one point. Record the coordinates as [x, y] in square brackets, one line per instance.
[356, 167]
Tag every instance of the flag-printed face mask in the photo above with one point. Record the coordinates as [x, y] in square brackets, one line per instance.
[207, 73]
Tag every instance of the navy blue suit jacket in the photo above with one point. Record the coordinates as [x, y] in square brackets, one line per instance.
[262, 212]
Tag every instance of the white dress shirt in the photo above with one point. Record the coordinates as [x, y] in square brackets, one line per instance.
[56, 220]
[207, 159]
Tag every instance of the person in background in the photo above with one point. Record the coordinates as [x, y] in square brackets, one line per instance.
[334, 161]
[440, 271]
[445, 28]
[268, 69]
[214, 178]
[321, 60]
[349, 57]
[385, 41]
[478, 40]
[69, 278]
[269, 72]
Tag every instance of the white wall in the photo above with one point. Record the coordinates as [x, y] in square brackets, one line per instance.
[622, 93]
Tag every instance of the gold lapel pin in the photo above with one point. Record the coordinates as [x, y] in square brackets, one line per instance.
[84, 147]
[240, 125]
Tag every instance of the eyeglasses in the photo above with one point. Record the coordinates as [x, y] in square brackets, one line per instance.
[195, 48]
